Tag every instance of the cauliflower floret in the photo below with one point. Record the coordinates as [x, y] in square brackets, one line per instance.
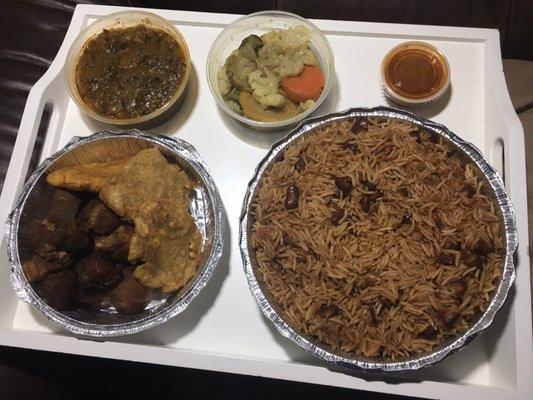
[296, 37]
[271, 38]
[223, 82]
[286, 52]
[265, 88]
[306, 105]
[292, 62]
[288, 63]
[238, 69]
[290, 38]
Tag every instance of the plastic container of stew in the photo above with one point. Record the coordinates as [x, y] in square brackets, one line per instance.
[119, 20]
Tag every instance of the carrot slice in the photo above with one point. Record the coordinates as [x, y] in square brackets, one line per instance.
[306, 86]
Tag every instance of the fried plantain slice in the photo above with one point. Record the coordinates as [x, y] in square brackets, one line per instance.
[88, 177]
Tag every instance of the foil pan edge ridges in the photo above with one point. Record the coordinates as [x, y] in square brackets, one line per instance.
[367, 364]
[24, 291]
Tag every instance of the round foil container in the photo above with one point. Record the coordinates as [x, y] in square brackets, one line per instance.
[35, 199]
[350, 361]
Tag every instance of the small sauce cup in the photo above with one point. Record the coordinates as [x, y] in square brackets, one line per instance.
[415, 73]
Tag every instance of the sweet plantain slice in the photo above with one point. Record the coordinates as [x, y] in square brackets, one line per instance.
[87, 177]
[252, 109]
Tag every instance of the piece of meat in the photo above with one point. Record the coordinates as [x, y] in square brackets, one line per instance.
[73, 239]
[97, 217]
[116, 245]
[37, 268]
[96, 274]
[87, 177]
[168, 241]
[44, 232]
[50, 254]
[60, 235]
[96, 301]
[59, 289]
[64, 206]
[155, 194]
[130, 297]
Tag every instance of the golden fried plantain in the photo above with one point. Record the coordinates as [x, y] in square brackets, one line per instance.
[88, 177]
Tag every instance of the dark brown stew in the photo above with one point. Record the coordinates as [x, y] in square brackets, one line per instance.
[129, 72]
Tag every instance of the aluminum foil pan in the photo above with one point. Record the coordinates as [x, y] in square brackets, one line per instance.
[350, 361]
[33, 202]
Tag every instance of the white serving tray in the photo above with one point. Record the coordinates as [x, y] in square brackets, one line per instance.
[223, 329]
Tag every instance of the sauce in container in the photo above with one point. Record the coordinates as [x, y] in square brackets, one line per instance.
[129, 69]
[129, 72]
[415, 73]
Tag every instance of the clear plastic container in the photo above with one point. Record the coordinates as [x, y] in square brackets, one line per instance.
[431, 55]
[123, 20]
[260, 23]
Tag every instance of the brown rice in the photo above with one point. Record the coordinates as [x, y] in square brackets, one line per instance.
[395, 244]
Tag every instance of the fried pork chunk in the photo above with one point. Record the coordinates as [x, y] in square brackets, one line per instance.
[116, 245]
[129, 297]
[36, 268]
[97, 217]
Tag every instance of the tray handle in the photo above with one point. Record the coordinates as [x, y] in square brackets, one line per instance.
[49, 92]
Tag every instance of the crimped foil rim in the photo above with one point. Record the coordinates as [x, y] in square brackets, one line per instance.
[361, 363]
[23, 289]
